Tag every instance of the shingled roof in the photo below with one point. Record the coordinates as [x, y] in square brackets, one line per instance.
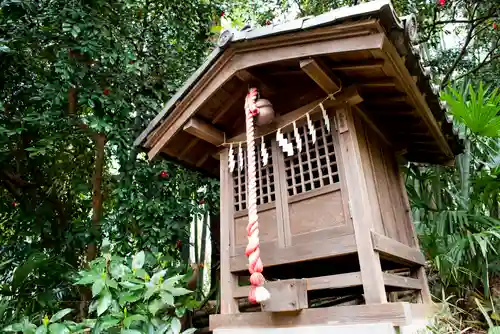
[400, 31]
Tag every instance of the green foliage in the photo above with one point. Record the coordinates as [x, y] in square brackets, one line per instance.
[74, 71]
[456, 210]
[478, 111]
[126, 299]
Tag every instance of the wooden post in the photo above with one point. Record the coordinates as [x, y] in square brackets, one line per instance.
[229, 305]
[360, 209]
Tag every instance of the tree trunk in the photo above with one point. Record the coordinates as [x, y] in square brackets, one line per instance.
[100, 143]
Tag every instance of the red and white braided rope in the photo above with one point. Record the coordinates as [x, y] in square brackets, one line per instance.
[257, 293]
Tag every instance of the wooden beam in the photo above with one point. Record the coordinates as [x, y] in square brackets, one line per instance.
[240, 94]
[247, 77]
[399, 314]
[317, 71]
[349, 43]
[203, 159]
[188, 147]
[398, 281]
[228, 280]
[356, 66]
[336, 246]
[375, 83]
[338, 281]
[204, 131]
[396, 250]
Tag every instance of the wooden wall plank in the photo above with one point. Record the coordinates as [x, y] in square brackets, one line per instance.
[338, 281]
[425, 294]
[336, 246]
[228, 280]
[402, 282]
[361, 210]
[397, 250]
[367, 142]
[397, 313]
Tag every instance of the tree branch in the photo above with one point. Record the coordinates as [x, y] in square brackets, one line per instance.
[478, 67]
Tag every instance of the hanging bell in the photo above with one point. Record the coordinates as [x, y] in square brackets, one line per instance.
[266, 112]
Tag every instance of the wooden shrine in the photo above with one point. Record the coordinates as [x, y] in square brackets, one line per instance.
[336, 237]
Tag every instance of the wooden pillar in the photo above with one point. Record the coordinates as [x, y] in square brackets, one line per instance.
[229, 305]
[360, 209]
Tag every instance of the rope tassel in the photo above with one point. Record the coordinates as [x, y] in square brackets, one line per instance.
[257, 293]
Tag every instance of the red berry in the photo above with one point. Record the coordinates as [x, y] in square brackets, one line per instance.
[222, 14]
[494, 25]
[164, 174]
[106, 92]
[442, 2]
[202, 201]
[268, 22]
[14, 204]
[178, 244]
[131, 62]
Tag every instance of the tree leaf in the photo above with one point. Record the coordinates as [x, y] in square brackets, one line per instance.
[189, 331]
[130, 331]
[179, 291]
[155, 306]
[175, 325]
[42, 329]
[129, 297]
[97, 287]
[134, 317]
[150, 292]
[58, 328]
[61, 314]
[494, 330]
[167, 298]
[138, 260]
[103, 303]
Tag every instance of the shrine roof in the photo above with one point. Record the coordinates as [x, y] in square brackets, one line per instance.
[401, 32]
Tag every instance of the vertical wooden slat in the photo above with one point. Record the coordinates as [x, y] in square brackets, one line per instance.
[308, 153]
[301, 168]
[228, 283]
[341, 171]
[261, 199]
[327, 156]
[282, 213]
[238, 172]
[292, 167]
[369, 260]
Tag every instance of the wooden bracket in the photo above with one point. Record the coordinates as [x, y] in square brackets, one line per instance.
[204, 131]
[288, 295]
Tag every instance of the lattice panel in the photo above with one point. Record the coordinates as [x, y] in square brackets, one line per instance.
[266, 192]
[315, 166]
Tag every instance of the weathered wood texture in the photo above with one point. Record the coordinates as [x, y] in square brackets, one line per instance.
[228, 279]
[338, 281]
[390, 216]
[362, 208]
[289, 295]
[399, 314]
